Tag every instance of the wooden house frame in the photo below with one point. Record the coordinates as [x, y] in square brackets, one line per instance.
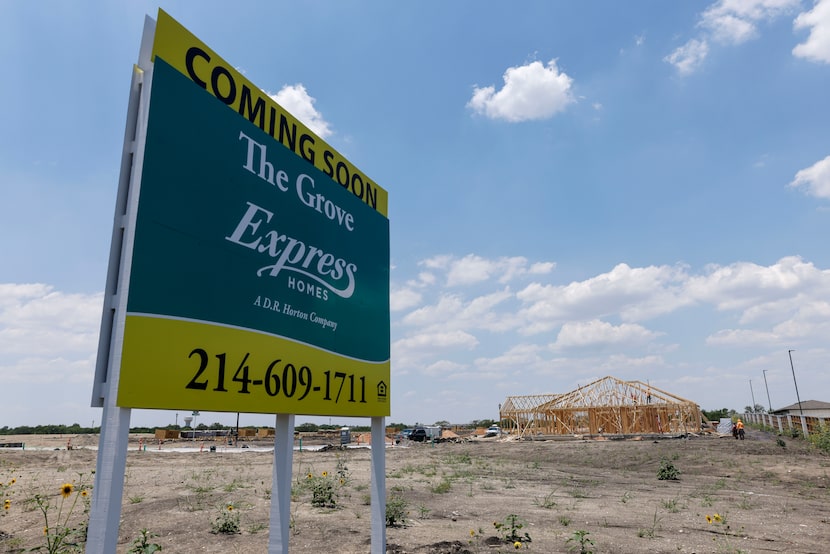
[606, 406]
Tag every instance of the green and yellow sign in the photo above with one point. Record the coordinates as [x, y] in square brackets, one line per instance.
[259, 279]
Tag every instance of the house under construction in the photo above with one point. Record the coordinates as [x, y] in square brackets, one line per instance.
[606, 406]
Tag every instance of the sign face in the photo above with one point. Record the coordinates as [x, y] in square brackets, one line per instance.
[194, 59]
[257, 283]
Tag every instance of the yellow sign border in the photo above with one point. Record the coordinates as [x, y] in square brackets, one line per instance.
[206, 366]
[194, 59]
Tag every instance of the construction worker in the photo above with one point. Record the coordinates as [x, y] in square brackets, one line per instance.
[740, 427]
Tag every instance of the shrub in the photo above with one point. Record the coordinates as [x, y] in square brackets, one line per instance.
[581, 541]
[142, 544]
[227, 522]
[821, 439]
[323, 491]
[395, 510]
[667, 471]
[510, 530]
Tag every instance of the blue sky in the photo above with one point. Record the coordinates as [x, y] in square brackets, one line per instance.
[577, 189]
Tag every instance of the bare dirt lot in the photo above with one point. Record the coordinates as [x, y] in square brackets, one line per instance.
[759, 495]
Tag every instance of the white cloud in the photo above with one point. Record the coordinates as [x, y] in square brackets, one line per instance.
[36, 318]
[454, 312]
[748, 286]
[518, 360]
[816, 178]
[49, 342]
[542, 268]
[687, 58]
[817, 45]
[741, 337]
[599, 333]
[472, 269]
[403, 299]
[727, 22]
[444, 368]
[300, 104]
[530, 92]
[736, 21]
[632, 293]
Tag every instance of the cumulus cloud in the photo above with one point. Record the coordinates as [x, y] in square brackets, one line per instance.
[632, 293]
[817, 46]
[600, 333]
[727, 22]
[403, 298]
[748, 286]
[49, 341]
[472, 269]
[530, 92]
[589, 328]
[736, 21]
[37, 318]
[300, 104]
[814, 180]
[456, 312]
[687, 58]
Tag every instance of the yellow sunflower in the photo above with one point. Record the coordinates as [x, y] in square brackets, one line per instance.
[717, 518]
[708, 518]
[66, 489]
[309, 476]
[517, 545]
[84, 493]
[230, 507]
[325, 474]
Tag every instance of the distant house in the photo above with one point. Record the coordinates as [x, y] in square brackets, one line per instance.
[811, 408]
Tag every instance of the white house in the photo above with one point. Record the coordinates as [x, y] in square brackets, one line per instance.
[811, 408]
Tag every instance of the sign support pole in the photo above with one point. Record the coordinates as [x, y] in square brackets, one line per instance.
[281, 484]
[105, 510]
[378, 485]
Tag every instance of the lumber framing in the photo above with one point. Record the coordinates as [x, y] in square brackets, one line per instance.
[607, 406]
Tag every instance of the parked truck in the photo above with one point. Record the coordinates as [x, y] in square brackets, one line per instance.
[426, 433]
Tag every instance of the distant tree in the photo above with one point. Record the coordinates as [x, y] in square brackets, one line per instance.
[399, 425]
[715, 415]
[442, 423]
[306, 428]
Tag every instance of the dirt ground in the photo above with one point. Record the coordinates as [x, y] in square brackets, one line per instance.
[761, 496]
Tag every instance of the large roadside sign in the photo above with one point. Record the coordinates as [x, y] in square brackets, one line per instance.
[259, 276]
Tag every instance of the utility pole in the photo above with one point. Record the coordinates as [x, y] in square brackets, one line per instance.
[769, 408]
[753, 396]
[790, 352]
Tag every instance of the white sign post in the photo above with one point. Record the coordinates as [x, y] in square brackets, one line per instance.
[105, 511]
